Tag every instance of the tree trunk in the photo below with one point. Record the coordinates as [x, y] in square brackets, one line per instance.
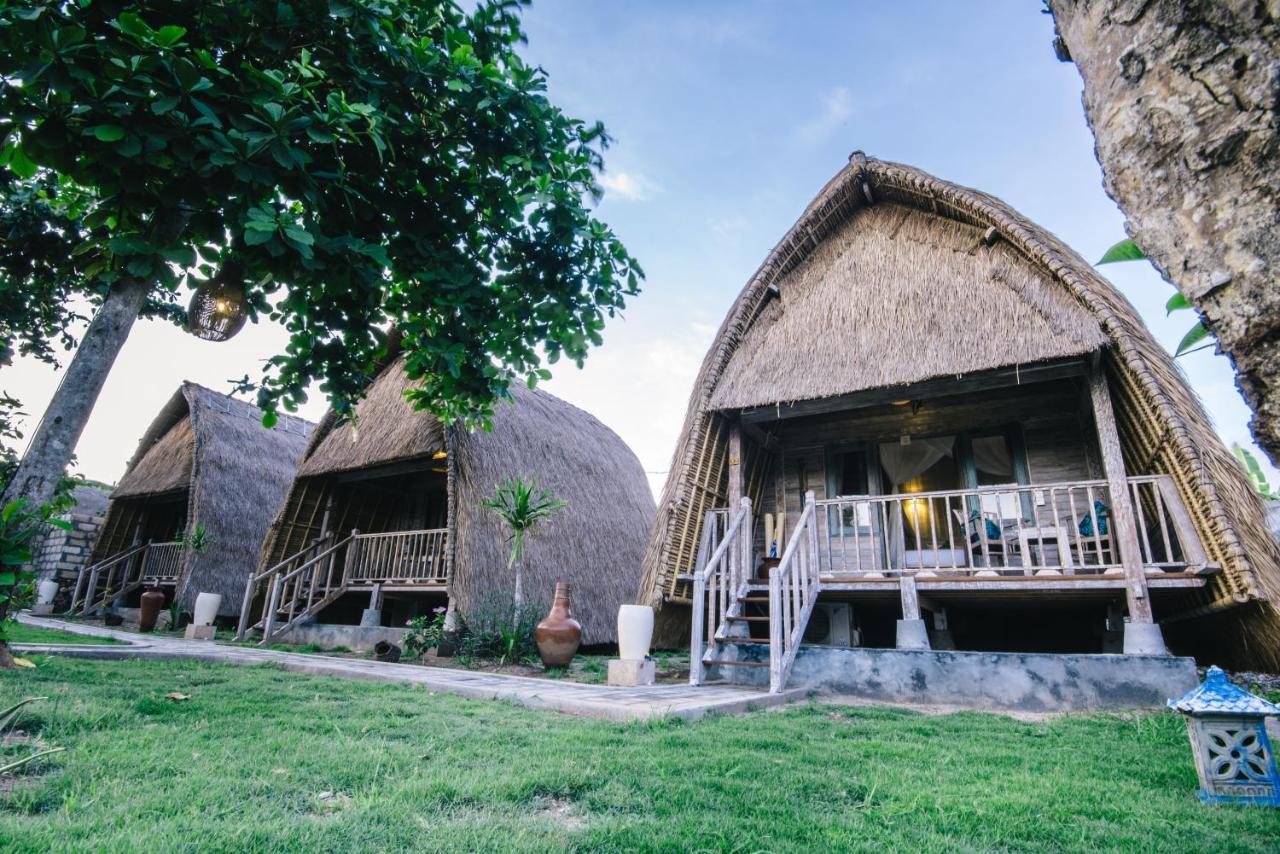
[46, 460]
[1184, 102]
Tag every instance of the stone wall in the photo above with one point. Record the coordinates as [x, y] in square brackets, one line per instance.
[62, 553]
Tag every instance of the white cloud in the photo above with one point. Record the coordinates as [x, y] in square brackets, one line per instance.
[837, 107]
[629, 186]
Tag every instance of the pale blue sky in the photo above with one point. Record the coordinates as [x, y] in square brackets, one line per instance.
[727, 118]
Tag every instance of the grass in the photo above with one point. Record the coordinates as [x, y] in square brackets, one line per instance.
[23, 633]
[263, 760]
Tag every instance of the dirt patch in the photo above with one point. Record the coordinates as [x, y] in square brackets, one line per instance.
[562, 812]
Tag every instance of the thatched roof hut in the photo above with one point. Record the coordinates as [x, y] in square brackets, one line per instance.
[393, 469]
[892, 282]
[205, 463]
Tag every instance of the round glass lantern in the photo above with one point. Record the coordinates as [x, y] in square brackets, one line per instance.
[217, 310]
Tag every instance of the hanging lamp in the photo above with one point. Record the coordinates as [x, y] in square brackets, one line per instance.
[218, 309]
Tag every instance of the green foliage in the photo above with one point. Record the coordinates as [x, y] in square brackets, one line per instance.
[1253, 469]
[352, 163]
[21, 525]
[425, 632]
[1125, 250]
[1194, 336]
[197, 538]
[521, 505]
[499, 628]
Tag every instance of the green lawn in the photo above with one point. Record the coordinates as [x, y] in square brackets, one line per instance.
[23, 633]
[263, 760]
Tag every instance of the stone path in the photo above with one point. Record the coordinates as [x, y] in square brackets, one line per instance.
[599, 701]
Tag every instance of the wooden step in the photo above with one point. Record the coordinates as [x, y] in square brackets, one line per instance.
[748, 619]
[723, 663]
[764, 600]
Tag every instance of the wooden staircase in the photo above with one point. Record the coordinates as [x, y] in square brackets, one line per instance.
[296, 589]
[730, 606]
[143, 565]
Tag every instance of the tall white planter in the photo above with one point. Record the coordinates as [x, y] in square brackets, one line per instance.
[45, 591]
[207, 605]
[635, 631]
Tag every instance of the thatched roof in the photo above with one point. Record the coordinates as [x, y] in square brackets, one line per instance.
[237, 473]
[892, 279]
[164, 465]
[385, 430]
[595, 544]
[1163, 425]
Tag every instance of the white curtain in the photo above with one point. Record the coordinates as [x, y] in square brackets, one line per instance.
[903, 462]
[991, 456]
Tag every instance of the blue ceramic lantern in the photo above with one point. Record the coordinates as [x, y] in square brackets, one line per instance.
[1227, 726]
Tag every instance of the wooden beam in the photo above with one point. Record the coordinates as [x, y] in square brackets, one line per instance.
[1192, 549]
[1123, 521]
[735, 465]
[947, 386]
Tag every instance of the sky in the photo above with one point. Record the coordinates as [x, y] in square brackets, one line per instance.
[727, 118]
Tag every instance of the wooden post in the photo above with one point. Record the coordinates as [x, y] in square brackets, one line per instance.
[1123, 523]
[910, 598]
[735, 467]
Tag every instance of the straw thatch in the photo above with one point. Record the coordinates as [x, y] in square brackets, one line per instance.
[235, 473]
[956, 307]
[595, 544]
[830, 274]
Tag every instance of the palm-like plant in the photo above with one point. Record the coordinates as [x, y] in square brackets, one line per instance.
[521, 505]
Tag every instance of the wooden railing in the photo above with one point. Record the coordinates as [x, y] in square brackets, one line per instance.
[120, 574]
[1056, 528]
[717, 586]
[794, 585]
[305, 583]
[406, 557]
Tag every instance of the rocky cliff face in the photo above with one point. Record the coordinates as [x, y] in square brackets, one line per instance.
[1184, 102]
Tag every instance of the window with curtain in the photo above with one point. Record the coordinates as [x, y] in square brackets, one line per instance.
[993, 463]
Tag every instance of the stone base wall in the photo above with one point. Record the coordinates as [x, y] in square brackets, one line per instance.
[1004, 681]
[63, 553]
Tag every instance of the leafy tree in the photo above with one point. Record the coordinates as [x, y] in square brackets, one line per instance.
[521, 505]
[347, 164]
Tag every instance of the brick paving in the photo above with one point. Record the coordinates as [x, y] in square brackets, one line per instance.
[598, 701]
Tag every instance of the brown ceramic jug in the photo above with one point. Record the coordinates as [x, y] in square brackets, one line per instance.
[149, 610]
[559, 635]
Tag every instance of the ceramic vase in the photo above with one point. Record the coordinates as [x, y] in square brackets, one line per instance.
[558, 635]
[635, 631]
[149, 610]
[46, 591]
[207, 605]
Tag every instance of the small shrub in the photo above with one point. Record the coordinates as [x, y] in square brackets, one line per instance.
[500, 630]
[424, 633]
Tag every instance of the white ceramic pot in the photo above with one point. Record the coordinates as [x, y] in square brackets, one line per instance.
[635, 631]
[45, 591]
[207, 605]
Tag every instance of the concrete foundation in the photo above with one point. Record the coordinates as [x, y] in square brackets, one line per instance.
[42, 608]
[205, 633]
[912, 634]
[1012, 681]
[354, 638]
[1144, 639]
[632, 673]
